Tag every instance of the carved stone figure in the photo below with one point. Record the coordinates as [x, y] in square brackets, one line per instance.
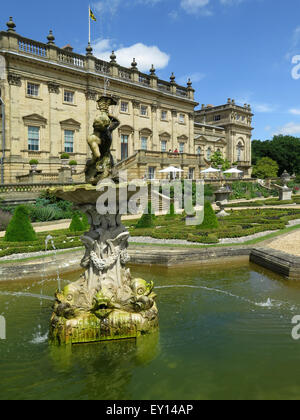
[102, 163]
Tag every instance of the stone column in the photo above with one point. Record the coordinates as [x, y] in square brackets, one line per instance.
[135, 135]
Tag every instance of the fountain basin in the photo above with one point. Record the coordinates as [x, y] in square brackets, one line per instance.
[224, 334]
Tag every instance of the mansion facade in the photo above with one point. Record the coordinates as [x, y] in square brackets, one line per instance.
[49, 104]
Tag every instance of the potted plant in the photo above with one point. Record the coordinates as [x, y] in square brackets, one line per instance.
[65, 158]
[33, 163]
[73, 165]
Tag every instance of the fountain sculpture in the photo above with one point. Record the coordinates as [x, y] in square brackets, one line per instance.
[106, 303]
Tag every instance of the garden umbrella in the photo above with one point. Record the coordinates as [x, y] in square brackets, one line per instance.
[171, 170]
[233, 171]
[210, 170]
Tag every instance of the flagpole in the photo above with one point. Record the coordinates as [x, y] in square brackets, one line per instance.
[89, 24]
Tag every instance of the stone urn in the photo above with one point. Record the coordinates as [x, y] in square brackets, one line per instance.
[221, 198]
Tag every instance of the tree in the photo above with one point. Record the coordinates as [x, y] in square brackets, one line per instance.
[20, 228]
[266, 168]
[217, 159]
[285, 150]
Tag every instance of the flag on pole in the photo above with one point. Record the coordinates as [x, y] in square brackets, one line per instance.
[92, 16]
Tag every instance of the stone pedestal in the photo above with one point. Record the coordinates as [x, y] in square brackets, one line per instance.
[285, 194]
[106, 303]
[65, 175]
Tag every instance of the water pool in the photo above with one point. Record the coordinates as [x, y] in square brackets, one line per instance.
[225, 333]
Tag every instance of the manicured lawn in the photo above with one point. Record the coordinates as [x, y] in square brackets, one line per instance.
[238, 224]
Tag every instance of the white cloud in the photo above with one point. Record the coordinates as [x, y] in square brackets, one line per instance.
[106, 6]
[263, 108]
[294, 43]
[145, 55]
[195, 6]
[195, 77]
[291, 129]
[294, 111]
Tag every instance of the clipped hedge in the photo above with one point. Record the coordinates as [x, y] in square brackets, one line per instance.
[20, 228]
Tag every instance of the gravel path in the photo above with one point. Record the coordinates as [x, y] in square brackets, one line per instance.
[289, 243]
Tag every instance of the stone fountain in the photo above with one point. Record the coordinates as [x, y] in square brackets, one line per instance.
[106, 303]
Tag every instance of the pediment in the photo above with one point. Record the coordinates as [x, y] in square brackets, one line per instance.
[35, 118]
[71, 123]
[146, 131]
[201, 139]
[182, 138]
[164, 134]
[126, 129]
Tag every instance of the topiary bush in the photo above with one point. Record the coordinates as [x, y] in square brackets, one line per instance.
[171, 213]
[76, 224]
[147, 220]
[20, 228]
[210, 219]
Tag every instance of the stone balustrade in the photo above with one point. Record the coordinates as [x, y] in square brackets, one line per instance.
[10, 41]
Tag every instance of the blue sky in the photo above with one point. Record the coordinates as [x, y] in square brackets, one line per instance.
[242, 49]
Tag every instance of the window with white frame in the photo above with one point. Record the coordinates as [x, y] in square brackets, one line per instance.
[164, 146]
[208, 153]
[124, 146]
[69, 96]
[124, 106]
[144, 142]
[33, 89]
[191, 173]
[144, 111]
[69, 141]
[33, 139]
[181, 118]
[151, 172]
[181, 147]
[164, 115]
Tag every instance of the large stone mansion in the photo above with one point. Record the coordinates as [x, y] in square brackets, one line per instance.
[49, 95]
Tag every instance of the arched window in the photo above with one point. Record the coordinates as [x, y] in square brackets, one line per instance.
[208, 153]
[199, 151]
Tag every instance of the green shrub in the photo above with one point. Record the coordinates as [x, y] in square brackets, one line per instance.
[33, 162]
[65, 156]
[73, 163]
[147, 220]
[210, 219]
[172, 213]
[20, 228]
[76, 224]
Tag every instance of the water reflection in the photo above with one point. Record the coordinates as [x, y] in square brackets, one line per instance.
[106, 369]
